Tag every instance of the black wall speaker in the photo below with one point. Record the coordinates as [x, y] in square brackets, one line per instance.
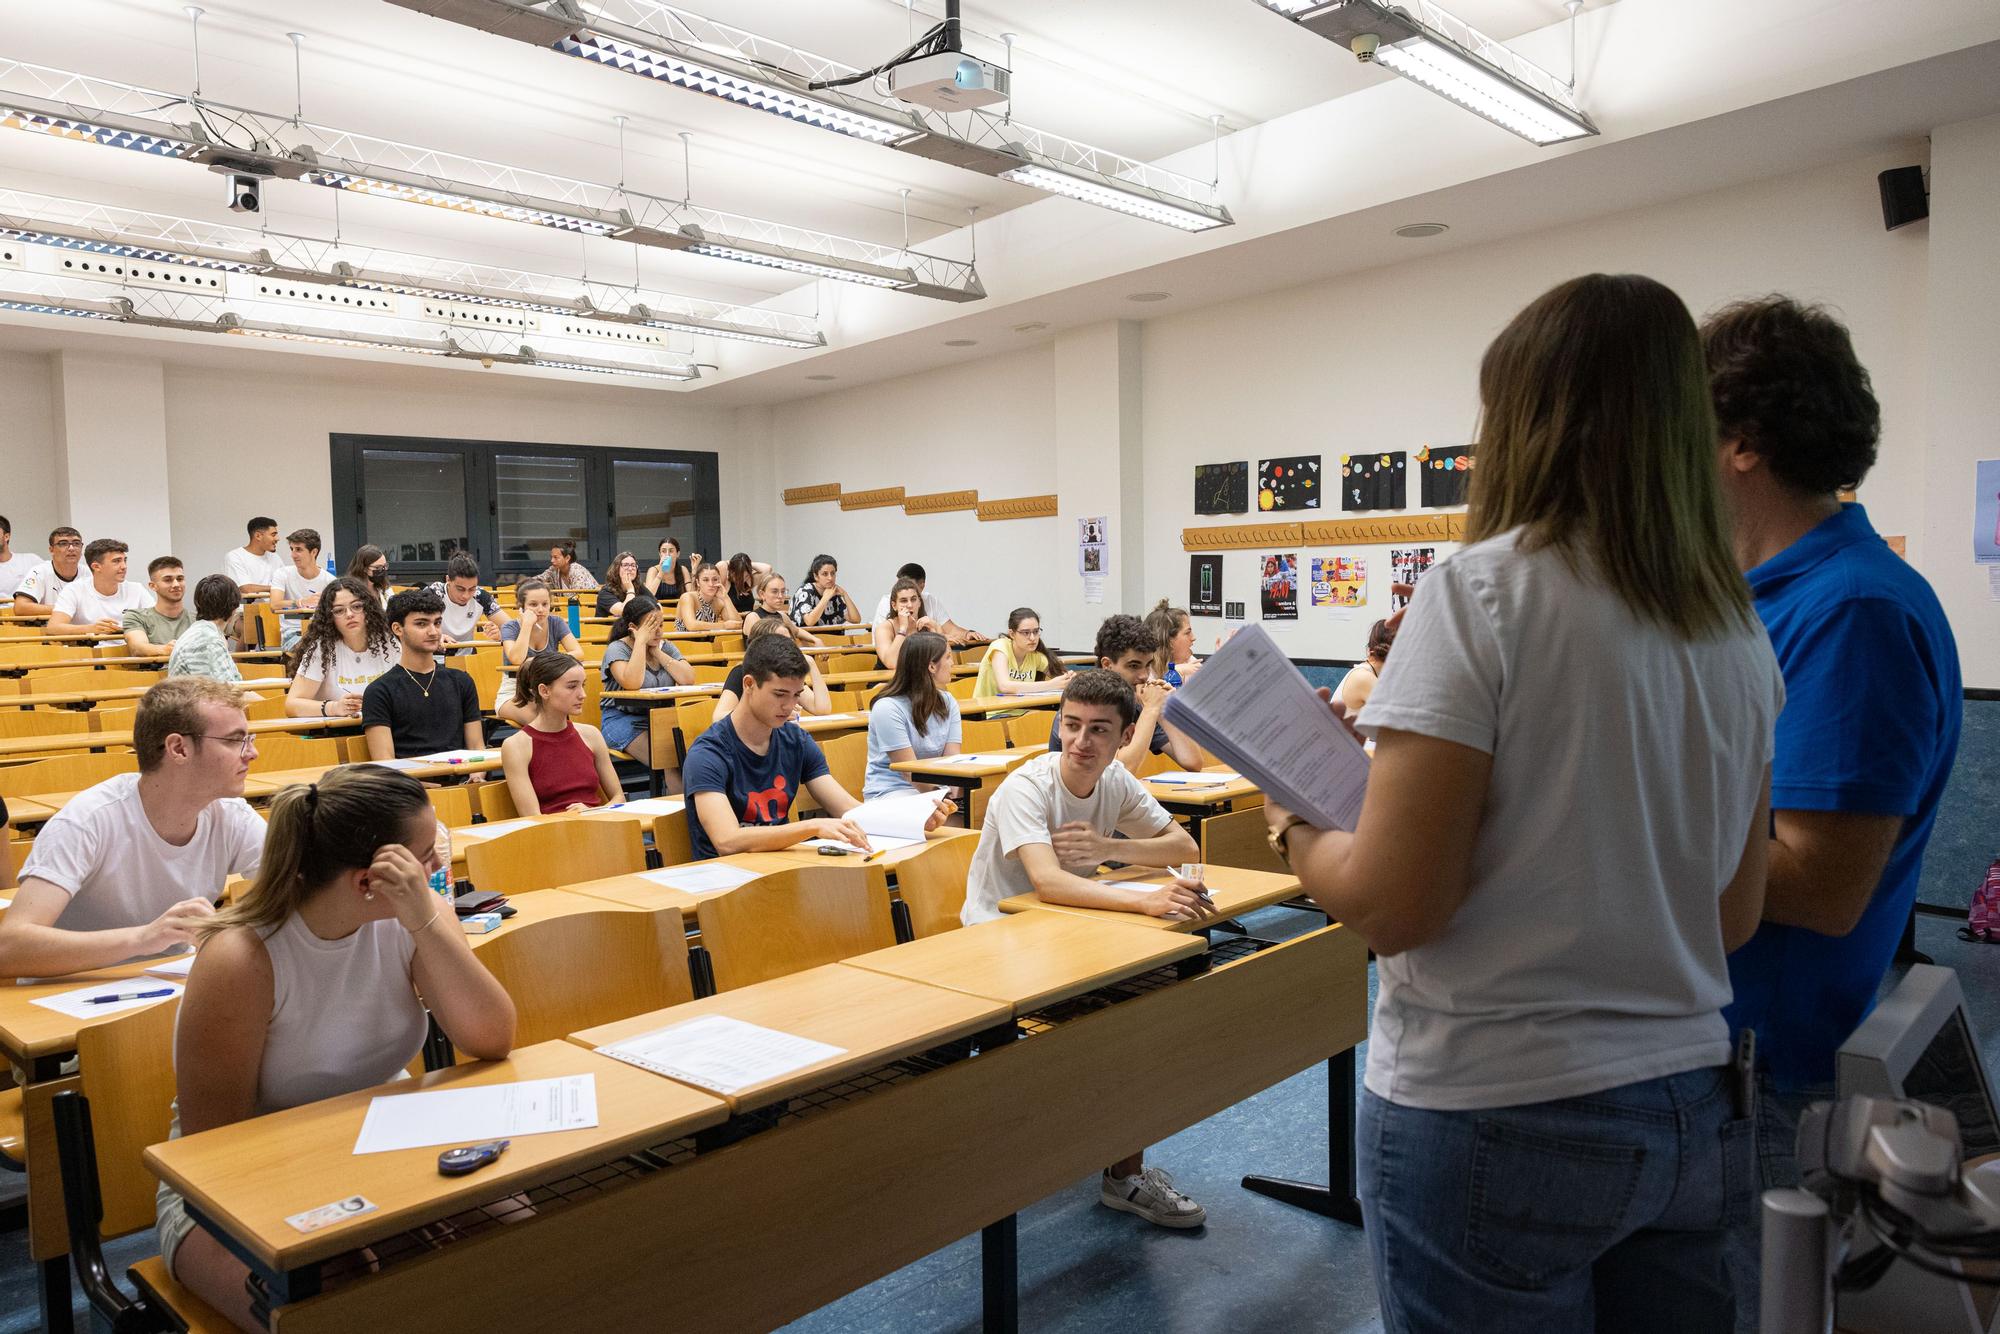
[1904, 199]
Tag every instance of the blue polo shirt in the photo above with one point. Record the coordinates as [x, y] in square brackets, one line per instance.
[1870, 724]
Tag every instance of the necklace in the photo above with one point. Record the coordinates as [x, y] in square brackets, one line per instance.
[424, 685]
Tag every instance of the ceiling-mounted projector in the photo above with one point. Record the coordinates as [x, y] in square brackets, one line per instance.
[948, 81]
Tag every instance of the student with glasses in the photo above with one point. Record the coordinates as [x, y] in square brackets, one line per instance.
[36, 594]
[130, 867]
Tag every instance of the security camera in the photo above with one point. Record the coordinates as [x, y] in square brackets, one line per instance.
[246, 194]
[1364, 47]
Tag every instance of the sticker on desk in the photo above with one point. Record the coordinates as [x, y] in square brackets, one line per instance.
[328, 1215]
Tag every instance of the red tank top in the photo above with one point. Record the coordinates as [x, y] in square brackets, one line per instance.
[562, 769]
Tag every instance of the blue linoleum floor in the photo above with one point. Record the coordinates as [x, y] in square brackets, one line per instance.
[1257, 1266]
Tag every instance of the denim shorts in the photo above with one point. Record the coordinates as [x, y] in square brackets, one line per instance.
[621, 728]
[1600, 1212]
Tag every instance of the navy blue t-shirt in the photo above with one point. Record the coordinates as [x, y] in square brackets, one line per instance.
[760, 788]
[1870, 724]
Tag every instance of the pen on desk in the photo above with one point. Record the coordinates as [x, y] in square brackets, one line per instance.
[882, 852]
[129, 996]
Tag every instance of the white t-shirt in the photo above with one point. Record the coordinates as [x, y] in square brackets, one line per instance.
[86, 606]
[351, 671]
[933, 608]
[119, 872]
[294, 587]
[245, 568]
[43, 583]
[1626, 765]
[462, 622]
[13, 570]
[1029, 807]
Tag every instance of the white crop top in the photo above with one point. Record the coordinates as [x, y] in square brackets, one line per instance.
[344, 1013]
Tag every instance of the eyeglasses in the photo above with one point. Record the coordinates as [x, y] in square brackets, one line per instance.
[243, 741]
[76, 542]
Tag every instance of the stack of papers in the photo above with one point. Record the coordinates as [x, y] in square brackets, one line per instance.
[890, 822]
[719, 1053]
[700, 877]
[484, 1112]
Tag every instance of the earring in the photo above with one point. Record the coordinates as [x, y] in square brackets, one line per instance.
[368, 894]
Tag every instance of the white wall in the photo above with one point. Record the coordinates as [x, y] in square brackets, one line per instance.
[28, 485]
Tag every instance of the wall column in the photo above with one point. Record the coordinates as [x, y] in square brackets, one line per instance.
[1100, 469]
[111, 456]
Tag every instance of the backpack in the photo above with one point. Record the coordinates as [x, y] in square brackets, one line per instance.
[1982, 919]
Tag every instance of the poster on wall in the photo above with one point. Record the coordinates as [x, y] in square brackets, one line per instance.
[1093, 555]
[1281, 587]
[1406, 566]
[1222, 488]
[1446, 473]
[1374, 481]
[1339, 581]
[1204, 585]
[1986, 512]
[1288, 484]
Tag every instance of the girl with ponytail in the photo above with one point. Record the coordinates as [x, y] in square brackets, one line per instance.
[315, 982]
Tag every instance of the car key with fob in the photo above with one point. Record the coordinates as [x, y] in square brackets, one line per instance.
[458, 1162]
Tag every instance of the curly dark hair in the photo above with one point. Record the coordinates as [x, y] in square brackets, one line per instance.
[1786, 381]
[1122, 634]
[321, 634]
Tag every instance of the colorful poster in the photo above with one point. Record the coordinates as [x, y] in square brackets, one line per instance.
[1281, 587]
[1222, 488]
[1288, 484]
[1339, 581]
[1447, 472]
[1204, 585]
[1406, 566]
[1986, 512]
[1374, 481]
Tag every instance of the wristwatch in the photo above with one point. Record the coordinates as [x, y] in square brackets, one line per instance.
[1277, 838]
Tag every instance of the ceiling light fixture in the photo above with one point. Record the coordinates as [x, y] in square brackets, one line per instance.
[1149, 296]
[39, 303]
[1417, 231]
[961, 342]
[1127, 199]
[1432, 47]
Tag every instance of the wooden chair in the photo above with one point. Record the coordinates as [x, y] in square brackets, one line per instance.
[484, 669]
[961, 687]
[43, 722]
[727, 643]
[1031, 728]
[65, 773]
[671, 839]
[847, 760]
[586, 968]
[282, 750]
[851, 662]
[983, 734]
[495, 801]
[932, 884]
[593, 697]
[793, 920]
[711, 674]
[558, 852]
[1238, 839]
[95, 678]
[122, 1101]
[692, 717]
[454, 804]
[271, 705]
[117, 718]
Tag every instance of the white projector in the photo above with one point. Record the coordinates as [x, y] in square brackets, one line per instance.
[948, 81]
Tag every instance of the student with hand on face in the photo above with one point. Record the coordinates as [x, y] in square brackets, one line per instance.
[707, 607]
[127, 868]
[316, 982]
[740, 581]
[536, 630]
[555, 763]
[256, 566]
[621, 581]
[639, 657]
[150, 632]
[933, 606]
[1049, 826]
[467, 606]
[906, 618]
[346, 645]
[820, 599]
[97, 604]
[419, 706]
[36, 594]
[816, 698]
[1127, 647]
[744, 772]
[204, 649]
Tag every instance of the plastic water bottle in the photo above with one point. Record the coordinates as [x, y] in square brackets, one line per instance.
[575, 618]
[441, 878]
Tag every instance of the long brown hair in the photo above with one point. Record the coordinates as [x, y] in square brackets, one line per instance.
[1597, 439]
[912, 680]
[1165, 621]
[322, 634]
[614, 581]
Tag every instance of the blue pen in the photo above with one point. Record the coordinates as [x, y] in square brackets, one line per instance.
[129, 995]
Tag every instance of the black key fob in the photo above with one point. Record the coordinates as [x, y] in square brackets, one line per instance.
[458, 1162]
[832, 852]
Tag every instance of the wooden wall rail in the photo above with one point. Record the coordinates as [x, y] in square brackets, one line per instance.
[1327, 532]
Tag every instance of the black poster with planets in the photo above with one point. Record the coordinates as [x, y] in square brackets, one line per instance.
[1222, 488]
[1447, 472]
[1288, 484]
[1374, 481]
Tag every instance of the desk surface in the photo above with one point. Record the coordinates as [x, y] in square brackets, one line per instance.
[1031, 958]
[269, 782]
[251, 1176]
[543, 905]
[707, 691]
[973, 708]
[28, 1030]
[1176, 796]
[1234, 889]
[645, 810]
[635, 891]
[947, 767]
[109, 694]
[873, 1017]
[31, 745]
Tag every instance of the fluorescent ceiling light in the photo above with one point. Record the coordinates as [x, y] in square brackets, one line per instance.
[40, 303]
[458, 203]
[1434, 48]
[193, 257]
[109, 130]
[794, 261]
[562, 363]
[745, 333]
[1090, 190]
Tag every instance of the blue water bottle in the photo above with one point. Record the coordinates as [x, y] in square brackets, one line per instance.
[575, 618]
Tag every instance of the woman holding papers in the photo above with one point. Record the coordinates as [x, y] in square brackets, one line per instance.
[640, 657]
[914, 718]
[1549, 1134]
[315, 982]
[555, 763]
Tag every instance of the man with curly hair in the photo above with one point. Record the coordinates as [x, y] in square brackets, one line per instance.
[1871, 717]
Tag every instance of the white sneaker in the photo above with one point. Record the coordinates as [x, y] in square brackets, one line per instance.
[1152, 1196]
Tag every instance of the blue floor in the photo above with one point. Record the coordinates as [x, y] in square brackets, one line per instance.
[1257, 1266]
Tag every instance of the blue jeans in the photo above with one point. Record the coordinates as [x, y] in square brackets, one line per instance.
[1778, 1116]
[1603, 1212]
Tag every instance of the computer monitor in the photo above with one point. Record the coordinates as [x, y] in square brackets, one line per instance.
[1919, 1044]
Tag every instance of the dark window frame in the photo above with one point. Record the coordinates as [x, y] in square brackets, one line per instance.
[482, 500]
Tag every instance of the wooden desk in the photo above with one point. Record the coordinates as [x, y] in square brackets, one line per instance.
[1030, 959]
[873, 1017]
[968, 774]
[544, 905]
[1196, 804]
[706, 691]
[1234, 889]
[87, 698]
[269, 782]
[26, 810]
[635, 891]
[119, 660]
[246, 1179]
[35, 745]
[832, 724]
[975, 708]
[644, 811]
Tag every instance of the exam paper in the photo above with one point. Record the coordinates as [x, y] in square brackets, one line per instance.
[175, 967]
[699, 877]
[1250, 706]
[876, 843]
[674, 690]
[899, 817]
[487, 1111]
[76, 1004]
[645, 806]
[1194, 779]
[720, 1053]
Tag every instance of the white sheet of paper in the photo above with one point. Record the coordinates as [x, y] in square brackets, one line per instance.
[76, 1004]
[488, 1111]
[876, 843]
[720, 1053]
[491, 829]
[6, 903]
[902, 816]
[401, 766]
[175, 967]
[1132, 887]
[1194, 780]
[674, 690]
[461, 756]
[700, 878]
[647, 807]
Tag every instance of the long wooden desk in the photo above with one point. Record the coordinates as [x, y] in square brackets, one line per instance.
[1030, 959]
[121, 660]
[1200, 800]
[643, 811]
[34, 745]
[976, 708]
[1234, 889]
[970, 770]
[57, 699]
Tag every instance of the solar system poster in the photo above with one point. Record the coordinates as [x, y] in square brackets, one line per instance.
[1281, 587]
[1447, 472]
[1374, 481]
[1222, 488]
[1288, 484]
